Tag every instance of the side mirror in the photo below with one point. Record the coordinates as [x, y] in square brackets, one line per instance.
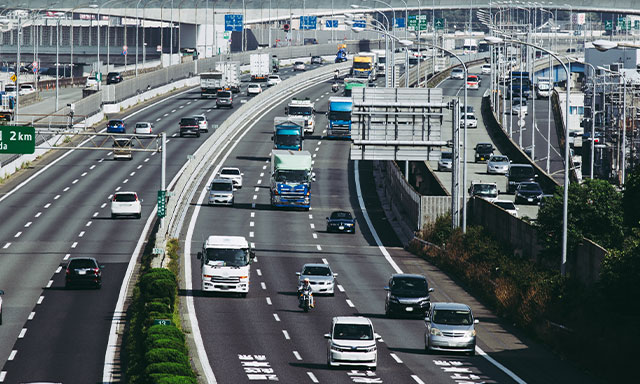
[387, 288]
[431, 290]
[327, 218]
[335, 275]
[297, 273]
[427, 319]
[327, 335]
[476, 321]
[199, 255]
[377, 336]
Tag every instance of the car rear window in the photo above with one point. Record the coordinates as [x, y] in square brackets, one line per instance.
[188, 121]
[125, 197]
[317, 271]
[341, 215]
[82, 263]
[224, 94]
[115, 122]
[230, 172]
[506, 205]
[142, 125]
[522, 171]
[199, 118]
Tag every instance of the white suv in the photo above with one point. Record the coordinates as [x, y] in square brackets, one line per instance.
[126, 204]
[232, 174]
[352, 342]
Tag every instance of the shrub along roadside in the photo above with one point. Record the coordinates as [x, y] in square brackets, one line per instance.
[156, 353]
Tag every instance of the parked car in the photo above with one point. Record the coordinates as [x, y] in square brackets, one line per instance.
[446, 161]
[457, 73]
[450, 327]
[189, 126]
[498, 164]
[484, 151]
[321, 278]
[224, 99]
[485, 69]
[341, 221]
[83, 271]
[529, 193]
[507, 205]
[232, 174]
[116, 126]
[114, 78]
[519, 173]
[316, 60]
[352, 342]
[299, 66]
[254, 89]
[472, 122]
[203, 124]
[126, 204]
[221, 192]
[143, 128]
[407, 294]
[273, 80]
[122, 148]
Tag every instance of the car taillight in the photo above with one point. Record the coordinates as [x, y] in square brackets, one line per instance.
[68, 271]
[114, 199]
[96, 270]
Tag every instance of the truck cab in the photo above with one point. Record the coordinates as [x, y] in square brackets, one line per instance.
[304, 108]
[226, 264]
[291, 176]
[288, 132]
[339, 117]
[365, 66]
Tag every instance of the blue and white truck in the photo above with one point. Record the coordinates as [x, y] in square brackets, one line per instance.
[288, 132]
[339, 117]
[303, 108]
[291, 176]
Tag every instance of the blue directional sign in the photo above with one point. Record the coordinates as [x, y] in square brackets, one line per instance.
[398, 22]
[331, 23]
[233, 23]
[308, 22]
[360, 23]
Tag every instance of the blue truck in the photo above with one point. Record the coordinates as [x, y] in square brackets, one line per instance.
[520, 84]
[341, 55]
[339, 117]
[291, 176]
[288, 132]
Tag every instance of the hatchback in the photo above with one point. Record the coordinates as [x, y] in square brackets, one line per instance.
[352, 341]
[273, 80]
[83, 271]
[472, 122]
[126, 204]
[486, 69]
[221, 192]
[407, 294]
[316, 60]
[299, 66]
[320, 276]
[114, 78]
[116, 126]
[232, 174]
[253, 89]
[450, 327]
[203, 124]
[92, 81]
[143, 128]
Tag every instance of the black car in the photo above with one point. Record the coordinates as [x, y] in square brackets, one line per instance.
[83, 271]
[316, 60]
[189, 126]
[407, 294]
[341, 221]
[483, 151]
[529, 193]
[114, 77]
[519, 173]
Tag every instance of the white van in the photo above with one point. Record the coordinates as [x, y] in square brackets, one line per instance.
[352, 341]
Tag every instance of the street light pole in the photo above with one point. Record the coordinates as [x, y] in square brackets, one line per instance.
[57, 57]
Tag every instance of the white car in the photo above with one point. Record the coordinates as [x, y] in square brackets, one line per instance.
[91, 82]
[254, 89]
[143, 128]
[508, 206]
[202, 122]
[232, 174]
[26, 89]
[519, 106]
[273, 80]
[122, 148]
[1, 293]
[299, 66]
[126, 204]
[352, 342]
[486, 69]
[320, 276]
[457, 73]
[10, 90]
[472, 122]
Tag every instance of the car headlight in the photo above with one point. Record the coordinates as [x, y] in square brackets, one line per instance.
[349, 224]
[471, 333]
[393, 299]
[338, 348]
[435, 332]
[371, 349]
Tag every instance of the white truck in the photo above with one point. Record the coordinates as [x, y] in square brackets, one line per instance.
[470, 46]
[230, 75]
[259, 66]
[210, 84]
[304, 108]
[226, 264]
[382, 60]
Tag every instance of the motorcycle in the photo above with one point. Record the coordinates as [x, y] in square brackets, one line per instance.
[306, 300]
[334, 87]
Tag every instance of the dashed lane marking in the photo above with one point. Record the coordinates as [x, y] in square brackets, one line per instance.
[165, 115]
[81, 234]
[276, 317]
[65, 189]
[3, 374]
[315, 235]
[253, 245]
[257, 189]
[109, 154]
[251, 234]
[313, 226]
[259, 272]
[31, 316]
[312, 377]
[56, 197]
[104, 204]
[253, 214]
[174, 135]
[75, 244]
[264, 167]
[91, 167]
[340, 288]
[325, 261]
[117, 189]
[314, 155]
[125, 181]
[75, 181]
[40, 300]
[269, 301]
[101, 160]
[350, 303]
[139, 166]
[260, 181]
[255, 197]
[59, 269]
[132, 173]
[158, 119]
[50, 283]
[18, 234]
[22, 333]
[286, 334]
[417, 379]
[66, 257]
[38, 214]
[297, 355]
[83, 174]
[27, 225]
[252, 224]
[153, 153]
[263, 285]
[396, 358]
[89, 223]
[317, 149]
[310, 217]
[12, 355]
[319, 247]
[95, 214]
[7, 245]
[262, 174]
[147, 159]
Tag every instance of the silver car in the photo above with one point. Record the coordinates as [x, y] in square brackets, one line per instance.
[320, 276]
[498, 164]
[450, 327]
[446, 161]
[221, 192]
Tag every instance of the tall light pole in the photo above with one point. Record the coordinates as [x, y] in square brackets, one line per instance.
[386, 44]
[137, 35]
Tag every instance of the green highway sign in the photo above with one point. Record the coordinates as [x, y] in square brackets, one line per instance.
[439, 23]
[636, 24]
[16, 139]
[162, 204]
[161, 322]
[608, 25]
[413, 22]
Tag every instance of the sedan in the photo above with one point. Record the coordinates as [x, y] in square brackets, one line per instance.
[83, 271]
[498, 164]
[116, 126]
[446, 162]
[407, 294]
[232, 174]
[126, 204]
[203, 124]
[341, 221]
[253, 89]
[457, 73]
[472, 122]
[143, 128]
[528, 193]
[486, 69]
[273, 80]
[450, 327]
[320, 276]
[299, 66]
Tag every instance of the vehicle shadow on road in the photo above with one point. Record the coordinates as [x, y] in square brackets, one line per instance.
[313, 366]
[254, 158]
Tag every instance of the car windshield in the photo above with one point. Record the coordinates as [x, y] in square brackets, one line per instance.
[446, 155]
[360, 65]
[274, 77]
[125, 197]
[227, 257]
[409, 287]
[82, 263]
[292, 176]
[316, 271]
[472, 79]
[499, 159]
[340, 115]
[530, 187]
[254, 86]
[485, 189]
[341, 216]
[352, 332]
[230, 171]
[509, 206]
[221, 187]
[189, 121]
[452, 317]
[224, 94]
[299, 63]
[288, 140]
[521, 171]
[300, 111]
[484, 148]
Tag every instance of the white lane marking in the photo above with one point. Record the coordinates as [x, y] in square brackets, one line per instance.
[325, 261]
[319, 142]
[75, 244]
[22, 333]
[396, 358]
[31, 316]
[314, 155]
[340, 288]
[317, 149]
[65, 189]
[417, 379]
[83, 174]
[81, 234]
[275, 316]
[310, 217]
[261, 174]
[312, 377]
[132, 173]
[253, 245]
[313, 162]
[40, 300]
[104, 204]
[315, 235]
[95, 214]
[101, 160]
[173, 110]
[264, 167]
[252, 224]
[7, 245]
[75, 181]
[350, 303]
[259, 272]
[18, 234]
[182, 106]
[38, 214]
[251, 234]
[269, 301]
[260, 181]
[12, 355]
[50, 283]
[56, 197]
[109, 154]
[158, 119]
[117, 189]
[109, 197]
[257, 189]
[500, 366]
[297, 355]
[208, 110]
[3, 374]
[263, 285]
[91, 167]
[147, 159]
[89, 223]
[253, 214]
[125, 181]
[153, 153]
[165, 115]
[188, 102]
[139, 166]
[59, 269]
[313, 226]
[286, 334]
[255, 197]
[66, 257]
[319, 247]
[318, 99]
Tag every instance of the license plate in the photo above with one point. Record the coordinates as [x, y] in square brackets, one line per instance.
[530, 199]
[82, 272]
[341, 227]
[409, 309]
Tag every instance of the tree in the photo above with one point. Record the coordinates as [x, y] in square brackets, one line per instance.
[631, 199]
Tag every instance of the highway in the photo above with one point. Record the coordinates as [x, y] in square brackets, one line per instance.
[50, 333]
[267, 335]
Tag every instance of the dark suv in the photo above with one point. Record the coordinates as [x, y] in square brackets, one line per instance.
[407, 294]
[114, 77]
[189, 126]
[483, 151]
[83, 271]
[519, 173]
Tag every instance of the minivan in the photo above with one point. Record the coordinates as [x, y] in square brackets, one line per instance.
[224, 99]
[519, 173]
[352, 342]
[450, 327]
[221, 192]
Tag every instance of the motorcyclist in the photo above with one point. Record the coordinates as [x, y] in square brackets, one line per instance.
[305, 288]
[336, 74]
[334, 87]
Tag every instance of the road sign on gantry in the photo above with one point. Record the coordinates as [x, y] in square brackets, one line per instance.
[233, 23]
[308, 22]
[331, 23]
[399, 22]
[439, 23]
[14, 139]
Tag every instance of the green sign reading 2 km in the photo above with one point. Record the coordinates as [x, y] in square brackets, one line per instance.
[15, 139]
